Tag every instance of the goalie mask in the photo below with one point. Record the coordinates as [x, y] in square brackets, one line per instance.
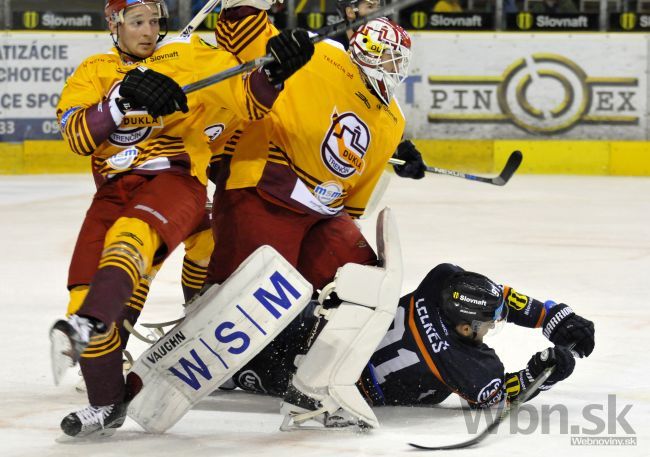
[471, 298]
[382, 50]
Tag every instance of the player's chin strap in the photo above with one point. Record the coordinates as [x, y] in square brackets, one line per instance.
[324, 386]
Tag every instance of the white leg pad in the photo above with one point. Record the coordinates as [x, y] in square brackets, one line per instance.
[227, 327]
[332, 366]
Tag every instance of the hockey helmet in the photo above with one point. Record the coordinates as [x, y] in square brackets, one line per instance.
[471, 298]
[341, 5]
[382, 50]
[114, 9]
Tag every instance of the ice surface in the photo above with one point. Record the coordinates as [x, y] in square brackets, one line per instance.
[581, 240]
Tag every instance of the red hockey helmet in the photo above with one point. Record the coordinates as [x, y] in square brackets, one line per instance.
[382, 50]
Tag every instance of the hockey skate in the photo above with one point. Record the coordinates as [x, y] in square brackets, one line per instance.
[299, 409]
[68, 340]
[94, 421]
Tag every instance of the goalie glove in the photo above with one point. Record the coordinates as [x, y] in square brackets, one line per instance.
[291, 50]
[563, 327]
[157, 93]
[414, 166]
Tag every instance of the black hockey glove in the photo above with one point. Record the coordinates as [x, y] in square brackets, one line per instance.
[155, 92]
[291, 49]
[559, 356]
[564, 327]
[414, 166]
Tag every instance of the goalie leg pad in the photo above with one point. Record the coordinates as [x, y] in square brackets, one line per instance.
[227, 327]
[332, 366]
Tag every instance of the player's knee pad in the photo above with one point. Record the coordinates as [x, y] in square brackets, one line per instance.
[333, 364]
[130, 244]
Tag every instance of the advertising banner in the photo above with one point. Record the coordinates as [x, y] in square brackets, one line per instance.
[461, 86]
[50, 20]
[481, 86]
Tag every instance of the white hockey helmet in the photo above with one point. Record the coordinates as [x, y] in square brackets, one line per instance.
[382, 50]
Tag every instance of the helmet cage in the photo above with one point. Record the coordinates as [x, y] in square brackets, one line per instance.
[381, 49]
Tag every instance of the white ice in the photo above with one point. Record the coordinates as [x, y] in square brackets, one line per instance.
[581, 240]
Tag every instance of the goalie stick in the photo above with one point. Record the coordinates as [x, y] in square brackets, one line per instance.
[334, 29]
[503, 415]
[508, 170]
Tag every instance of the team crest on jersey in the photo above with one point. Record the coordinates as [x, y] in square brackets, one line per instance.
[345, 145]
[214, 131]
[136, 126]
[123, 159]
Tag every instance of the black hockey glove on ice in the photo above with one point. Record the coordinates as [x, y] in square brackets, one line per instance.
[291, 49]
[564, 327]
[559, 356]
[414, 166]
[155, 92]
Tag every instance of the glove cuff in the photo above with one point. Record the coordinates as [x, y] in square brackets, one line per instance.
[555, 313]
[118, 109]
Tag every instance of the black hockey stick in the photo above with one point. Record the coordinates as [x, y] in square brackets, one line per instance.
[332, 31]
[503, 415]
[508, 170]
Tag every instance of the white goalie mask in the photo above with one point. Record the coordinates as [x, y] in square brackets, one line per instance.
[382, 50]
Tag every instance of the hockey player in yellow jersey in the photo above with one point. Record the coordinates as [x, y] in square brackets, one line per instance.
[149, 160]
[313, 169]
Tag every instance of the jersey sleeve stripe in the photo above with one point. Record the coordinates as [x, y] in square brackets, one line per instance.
[234, 37]
[86, 135]
[71, 133]
[79, 134]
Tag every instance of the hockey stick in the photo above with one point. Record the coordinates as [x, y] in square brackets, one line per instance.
[200, 16]
[156, 328]
[508, 170]
[334, 29]
[503, 415]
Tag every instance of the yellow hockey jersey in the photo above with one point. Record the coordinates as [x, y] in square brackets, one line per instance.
[244, 35]
[328, 138]
[142, 143]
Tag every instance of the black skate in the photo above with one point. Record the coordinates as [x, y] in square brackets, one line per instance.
[68, 340]
[94, 421]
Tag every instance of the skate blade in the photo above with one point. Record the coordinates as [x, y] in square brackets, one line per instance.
[98, 435]
[290, 425]
[61, 348]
